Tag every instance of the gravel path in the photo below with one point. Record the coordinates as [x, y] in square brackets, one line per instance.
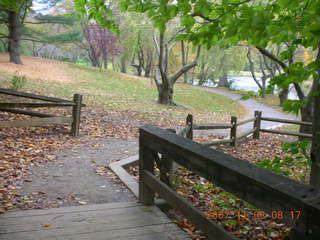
[251, 106]
[81, 176]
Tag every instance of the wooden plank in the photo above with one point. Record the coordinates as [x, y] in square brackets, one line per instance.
[35, 105]
[31, 96]
[256, 185]
[71, 215]
[81, 226]
[25, 112]
[166, 231]
[35, 122]
[146, 161]
[75, 219]
[286, 121]
[66, 210]
[198, 218]
[211, 126]
[286, 133]
[246, 121]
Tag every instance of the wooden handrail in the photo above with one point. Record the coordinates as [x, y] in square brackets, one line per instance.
[264, 189]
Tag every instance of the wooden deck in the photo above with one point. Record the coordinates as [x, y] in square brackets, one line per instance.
[121, 221]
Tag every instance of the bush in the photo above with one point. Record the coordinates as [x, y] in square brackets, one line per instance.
[18, 82]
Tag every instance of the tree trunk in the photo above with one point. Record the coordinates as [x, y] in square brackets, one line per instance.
[14, 26]
[315, 148]
[306, 116]
[166, 95]
[223, 81]
[283, 95]
[105, 60]
[123, 65]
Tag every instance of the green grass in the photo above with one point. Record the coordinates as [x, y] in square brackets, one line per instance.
[119, 92]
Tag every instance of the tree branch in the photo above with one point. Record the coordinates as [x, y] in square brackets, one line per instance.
[265, 52]
[186, 68]
[252, 68]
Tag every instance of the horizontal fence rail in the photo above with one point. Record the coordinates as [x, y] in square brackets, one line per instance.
[42, 119]
[211, 126]
[35, 122]
[306, 135]
[34, 105]
[234, 124]
[258, 186]
[286, 121]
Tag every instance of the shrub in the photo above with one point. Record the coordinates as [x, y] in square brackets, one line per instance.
[18, 82]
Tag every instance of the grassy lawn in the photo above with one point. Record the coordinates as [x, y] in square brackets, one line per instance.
[119, 92]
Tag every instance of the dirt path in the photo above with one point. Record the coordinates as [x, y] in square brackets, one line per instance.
[251, 106]
[80, 176]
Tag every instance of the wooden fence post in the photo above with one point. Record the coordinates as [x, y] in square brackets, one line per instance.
[76, 113]
[189, 122]
[146, 162]
[167, 167]
[257, 124]
[233, 131]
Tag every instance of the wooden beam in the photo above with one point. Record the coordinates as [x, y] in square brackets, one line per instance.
[25, 112]
[31, 96]
[286, 121]
[246, 121]
[198, 218]
[233, 131]
[245, 134]
[257, 124]
[76, 114]
[287, 133]
[189, 122]
[211, 126]
[35, 122]
[258, 186]
[34, 105]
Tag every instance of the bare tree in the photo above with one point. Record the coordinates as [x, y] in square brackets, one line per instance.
[163, 80]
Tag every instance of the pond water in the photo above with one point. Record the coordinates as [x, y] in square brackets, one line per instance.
[242, 83]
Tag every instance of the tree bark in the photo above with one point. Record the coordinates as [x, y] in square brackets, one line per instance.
[283, 95]
[14, 26]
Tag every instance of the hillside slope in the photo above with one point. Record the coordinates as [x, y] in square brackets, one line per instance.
[118, 92]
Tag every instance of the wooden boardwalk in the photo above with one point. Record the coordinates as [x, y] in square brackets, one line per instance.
[121, 221]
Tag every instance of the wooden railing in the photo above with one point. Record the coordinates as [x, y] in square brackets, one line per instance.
[264, 189]
[42, 118]
[187, 131]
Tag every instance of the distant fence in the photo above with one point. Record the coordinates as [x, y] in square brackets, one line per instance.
[187, 131]
[41, 119]
[295, 203]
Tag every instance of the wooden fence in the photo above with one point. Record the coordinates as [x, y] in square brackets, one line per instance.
[187, 131]
[264, 189]
[41, 119]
